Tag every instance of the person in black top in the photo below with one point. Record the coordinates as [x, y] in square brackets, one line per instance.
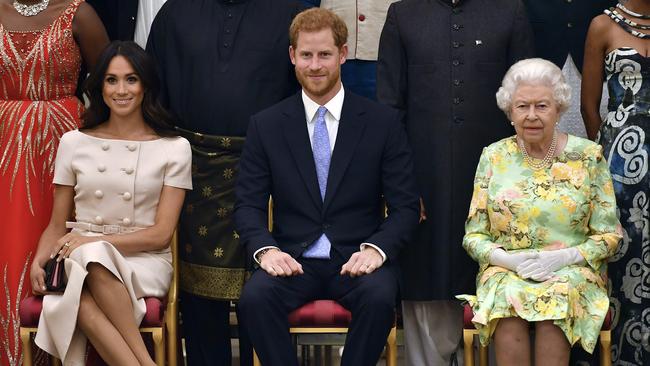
[220, 62]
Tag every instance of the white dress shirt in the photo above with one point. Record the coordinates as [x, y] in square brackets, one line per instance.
[332, 119]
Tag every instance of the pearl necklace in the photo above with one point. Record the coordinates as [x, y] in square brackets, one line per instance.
[30, 10]
[539, 164]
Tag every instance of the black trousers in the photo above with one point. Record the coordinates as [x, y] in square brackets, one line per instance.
[207, 333]
[266, 302]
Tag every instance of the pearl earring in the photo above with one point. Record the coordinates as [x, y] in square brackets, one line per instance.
[512, 123]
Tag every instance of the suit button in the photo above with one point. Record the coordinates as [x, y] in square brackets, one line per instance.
[456, 82]
[456, 100]
[569, 25]
[126, 196]
[455, 62]
[101, 168]
[304, 244]
[458, 120]
[126, 221]
[455, 44]
[105, 146]
[362, 17]
[455, 27]
[99, 194]
[99, 220]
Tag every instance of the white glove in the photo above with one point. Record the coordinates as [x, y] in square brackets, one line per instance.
[499, 257]
[542, 268]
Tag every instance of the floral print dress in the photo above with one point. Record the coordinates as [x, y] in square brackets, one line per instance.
[570, 204]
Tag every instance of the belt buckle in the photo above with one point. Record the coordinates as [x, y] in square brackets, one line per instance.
[111, 229]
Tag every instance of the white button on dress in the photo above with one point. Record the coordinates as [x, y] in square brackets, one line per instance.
[126, 196]
[99, 194]
[105, 146]
[126, 221]
[101, 168]
[99, 220]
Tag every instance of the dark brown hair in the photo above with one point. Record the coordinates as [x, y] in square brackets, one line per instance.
[154, 114]
[316, 19]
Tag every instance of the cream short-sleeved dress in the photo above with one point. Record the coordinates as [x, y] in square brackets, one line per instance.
[116, 182]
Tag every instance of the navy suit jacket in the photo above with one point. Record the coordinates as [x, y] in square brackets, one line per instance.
[371, 160]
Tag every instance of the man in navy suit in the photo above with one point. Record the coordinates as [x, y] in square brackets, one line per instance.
[329, 159]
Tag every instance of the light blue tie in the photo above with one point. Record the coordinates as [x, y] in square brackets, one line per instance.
[322, 156]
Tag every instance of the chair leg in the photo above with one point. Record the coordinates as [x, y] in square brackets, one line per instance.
[482, 355]
[172, 338]
[25, 338]
[606, 348]
[256, 360]
[391, 348]
[468, 343]
[158, 346]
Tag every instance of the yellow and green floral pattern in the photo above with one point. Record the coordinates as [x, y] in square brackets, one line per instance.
[570, 204]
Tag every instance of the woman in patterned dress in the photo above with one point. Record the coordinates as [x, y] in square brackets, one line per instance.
[618, 50]
[541, 225]
[40, 56]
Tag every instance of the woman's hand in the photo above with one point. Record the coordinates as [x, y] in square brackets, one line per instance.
[37, 279]
[543, 268]
[70, 242]
[501, 258]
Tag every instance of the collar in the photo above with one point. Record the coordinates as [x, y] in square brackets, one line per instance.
[334, 106]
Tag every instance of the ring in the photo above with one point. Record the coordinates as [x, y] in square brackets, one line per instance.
[67, 244]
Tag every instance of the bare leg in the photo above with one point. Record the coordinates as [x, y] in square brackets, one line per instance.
[551, 345]
[113, 299]
[102, 334]
[512, 342]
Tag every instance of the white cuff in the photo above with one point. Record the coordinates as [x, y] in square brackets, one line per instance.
[383, 255]
[261, 249]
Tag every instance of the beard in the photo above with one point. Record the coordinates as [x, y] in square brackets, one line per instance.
[321, 88]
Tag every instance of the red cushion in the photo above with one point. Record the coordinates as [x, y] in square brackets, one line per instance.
[30, 311]
[320, 313]
[468, 314]
[607, 323]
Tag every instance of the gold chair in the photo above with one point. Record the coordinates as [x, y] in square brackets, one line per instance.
[469, 331]
[162, 327]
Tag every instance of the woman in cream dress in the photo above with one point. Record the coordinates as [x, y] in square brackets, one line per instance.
[124, 175]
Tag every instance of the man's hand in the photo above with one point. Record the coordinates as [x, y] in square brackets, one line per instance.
[363, 262]
[278, 263]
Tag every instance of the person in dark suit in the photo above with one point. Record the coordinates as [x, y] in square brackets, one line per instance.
[220, 62]
[327, 157]
[441, 61]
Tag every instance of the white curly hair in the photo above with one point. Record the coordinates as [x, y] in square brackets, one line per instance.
[534, 71]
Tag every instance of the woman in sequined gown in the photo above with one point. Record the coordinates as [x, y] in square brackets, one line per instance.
[618, 48]
[40, 57]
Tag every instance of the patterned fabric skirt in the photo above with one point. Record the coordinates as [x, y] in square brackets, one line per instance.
[626, 148]
[212, 260]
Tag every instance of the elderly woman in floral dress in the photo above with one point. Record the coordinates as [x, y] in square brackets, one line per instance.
[541, 225]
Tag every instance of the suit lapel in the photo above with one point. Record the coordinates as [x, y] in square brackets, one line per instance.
[295, 132]
[351, 127]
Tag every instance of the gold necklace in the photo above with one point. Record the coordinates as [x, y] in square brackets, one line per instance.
[537, 164]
